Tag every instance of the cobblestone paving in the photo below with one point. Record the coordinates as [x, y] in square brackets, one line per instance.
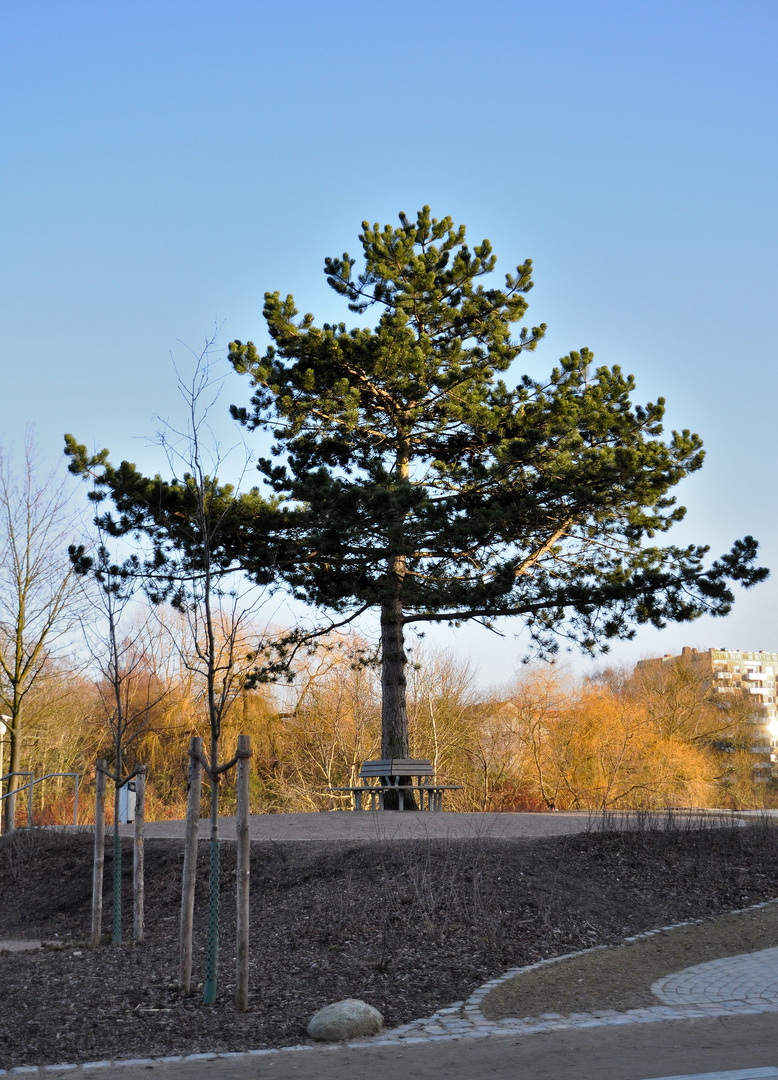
[736, 978]
[735, 1074]
[735, 986]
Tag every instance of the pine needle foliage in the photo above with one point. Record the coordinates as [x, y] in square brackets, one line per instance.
[429, 488]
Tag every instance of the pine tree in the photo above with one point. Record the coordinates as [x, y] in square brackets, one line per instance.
[431, 490]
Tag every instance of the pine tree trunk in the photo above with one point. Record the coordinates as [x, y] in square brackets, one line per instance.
[394, 717]
[394, 714]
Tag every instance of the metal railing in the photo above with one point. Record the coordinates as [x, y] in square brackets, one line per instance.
[31, 784]
[8, 794]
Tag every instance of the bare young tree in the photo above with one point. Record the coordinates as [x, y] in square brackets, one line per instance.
[126, 681]
[37, 587]
[334, 723]
[201, 578]
[192, 527]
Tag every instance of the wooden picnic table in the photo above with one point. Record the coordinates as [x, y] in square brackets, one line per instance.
[413, 775]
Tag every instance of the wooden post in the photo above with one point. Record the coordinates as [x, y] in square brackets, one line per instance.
[190, 860]
[116, 935]
[137, 861]
[99, 856]
[243, 873]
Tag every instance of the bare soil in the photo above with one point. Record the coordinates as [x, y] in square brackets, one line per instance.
[409, 926]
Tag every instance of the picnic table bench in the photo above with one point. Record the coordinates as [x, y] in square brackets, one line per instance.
[378, 777]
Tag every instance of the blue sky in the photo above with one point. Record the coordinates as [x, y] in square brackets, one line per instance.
[165, 163]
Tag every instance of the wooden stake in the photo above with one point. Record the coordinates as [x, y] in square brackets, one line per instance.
[137, 862]
[243, 873]
[190, 860]
[99, 856]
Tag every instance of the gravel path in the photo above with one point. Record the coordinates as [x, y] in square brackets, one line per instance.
[383, 825]
[393, 825]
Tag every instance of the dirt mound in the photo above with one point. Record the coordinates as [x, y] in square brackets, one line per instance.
[408, 927]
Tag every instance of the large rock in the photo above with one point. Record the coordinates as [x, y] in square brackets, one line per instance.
[348, 1019]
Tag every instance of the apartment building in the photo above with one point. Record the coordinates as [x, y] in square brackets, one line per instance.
[753, 673]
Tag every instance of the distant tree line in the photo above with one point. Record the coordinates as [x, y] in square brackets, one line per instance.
[623, 740]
